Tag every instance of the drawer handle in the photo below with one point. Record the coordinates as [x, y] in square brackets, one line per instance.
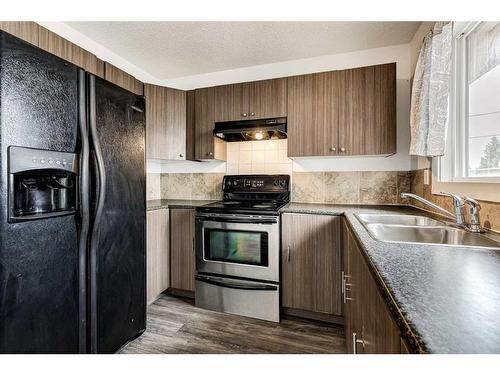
[288, 254]
[355, 342]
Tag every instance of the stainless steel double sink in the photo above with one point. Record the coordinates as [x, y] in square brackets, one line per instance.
[412, 229]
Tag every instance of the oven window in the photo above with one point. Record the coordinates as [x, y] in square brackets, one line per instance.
[233, 246]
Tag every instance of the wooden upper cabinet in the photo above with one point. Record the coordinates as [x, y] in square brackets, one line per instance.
[311, 263]
[344, 112]
[165, 123]
[251, 100]
[190, 124]
[123, 79]
[206, 145]
[27, 31]
[370, 128]
[66, 50]
[267, 99]
[231, 102]
[313, 113]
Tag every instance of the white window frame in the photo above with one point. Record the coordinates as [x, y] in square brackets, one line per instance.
[449, 170]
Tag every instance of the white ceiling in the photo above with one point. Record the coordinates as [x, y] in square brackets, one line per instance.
[167, 50]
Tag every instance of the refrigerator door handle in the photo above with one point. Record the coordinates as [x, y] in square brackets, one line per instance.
[84, 212]
[101, 197]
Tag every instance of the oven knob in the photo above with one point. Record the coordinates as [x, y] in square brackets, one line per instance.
[282, 183]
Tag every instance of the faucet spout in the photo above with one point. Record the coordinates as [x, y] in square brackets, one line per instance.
[430, 204]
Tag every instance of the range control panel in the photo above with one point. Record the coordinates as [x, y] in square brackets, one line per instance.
[256, 183]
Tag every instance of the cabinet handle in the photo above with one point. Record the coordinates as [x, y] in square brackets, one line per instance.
[252, 113]
[194, 249]
[355, 342]
[333, 148]
[288, 254]
[344, 296]
[244, 114]
[210, 154]
[180, 155]
[342, 149]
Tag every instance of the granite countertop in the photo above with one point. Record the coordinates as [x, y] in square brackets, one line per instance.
[156, 204]
[444, 299]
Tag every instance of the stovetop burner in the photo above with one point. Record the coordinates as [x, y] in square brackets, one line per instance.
[252, 193]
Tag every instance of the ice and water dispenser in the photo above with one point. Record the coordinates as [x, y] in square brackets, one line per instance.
[42, 183]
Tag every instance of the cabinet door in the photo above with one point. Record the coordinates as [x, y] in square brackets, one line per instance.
[353, 308]
[156, 131]
[313, 114]
[380, 335]
[66, 50]
[369, 326]
[267, 99]
[123, 79]
[182, 256]
[176, 124]
[27, 31]
[165, 123]
[311, 263]
[158, 260]
[370, 128]
[231, 102]
[206, 145]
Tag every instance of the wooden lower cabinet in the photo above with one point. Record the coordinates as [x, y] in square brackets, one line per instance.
[311, 263]
[369, 326]
[182, 255]
[157, 253]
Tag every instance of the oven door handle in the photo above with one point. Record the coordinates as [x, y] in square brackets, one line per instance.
[239, 220]
[235, 284]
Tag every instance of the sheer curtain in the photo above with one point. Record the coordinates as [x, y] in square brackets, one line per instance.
[429, 99]
[484, 45]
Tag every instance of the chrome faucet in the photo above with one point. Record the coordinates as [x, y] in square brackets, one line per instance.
[475, 223]
[458, 205]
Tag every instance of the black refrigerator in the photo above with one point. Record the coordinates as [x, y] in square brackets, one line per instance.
[72, 206]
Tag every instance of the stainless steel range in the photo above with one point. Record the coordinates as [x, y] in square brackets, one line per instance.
[238, 247]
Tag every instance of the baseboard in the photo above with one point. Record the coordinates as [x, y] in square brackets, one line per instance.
[322, 317]
[180, 293]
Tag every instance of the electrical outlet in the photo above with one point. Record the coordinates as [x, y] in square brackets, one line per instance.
[427, 176]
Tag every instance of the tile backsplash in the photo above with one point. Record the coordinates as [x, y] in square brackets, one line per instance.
[253, 157]
[191, 186]
[350, 187]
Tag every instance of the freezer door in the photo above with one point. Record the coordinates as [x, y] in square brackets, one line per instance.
[38, 258]
[117, 271]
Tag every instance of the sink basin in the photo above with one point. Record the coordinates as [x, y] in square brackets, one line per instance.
[430, 235]
[398, 220]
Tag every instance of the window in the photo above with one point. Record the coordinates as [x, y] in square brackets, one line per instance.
[473, 148]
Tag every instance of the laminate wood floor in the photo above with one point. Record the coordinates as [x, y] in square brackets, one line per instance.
[175, 325]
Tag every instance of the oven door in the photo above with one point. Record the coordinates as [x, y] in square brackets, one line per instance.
[238, 245]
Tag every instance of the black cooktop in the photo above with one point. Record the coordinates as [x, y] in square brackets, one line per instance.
[243, 206]
[252, 194]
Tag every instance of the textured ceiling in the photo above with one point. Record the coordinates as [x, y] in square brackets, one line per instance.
[177, 49]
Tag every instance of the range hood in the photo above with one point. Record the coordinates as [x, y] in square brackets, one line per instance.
[251, 130]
